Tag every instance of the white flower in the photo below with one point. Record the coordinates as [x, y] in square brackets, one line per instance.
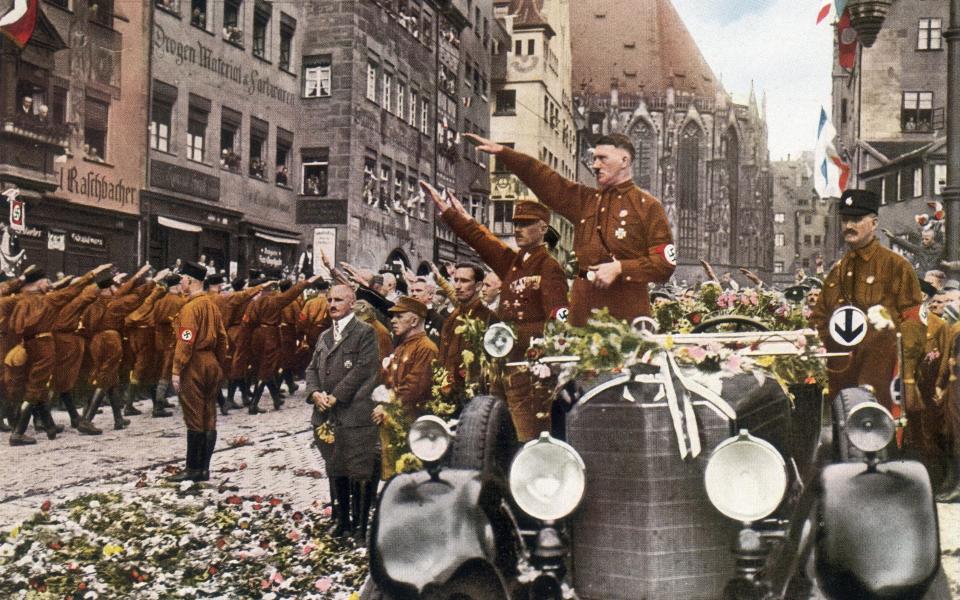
[879, 317]
[540, 370]
[381, 395]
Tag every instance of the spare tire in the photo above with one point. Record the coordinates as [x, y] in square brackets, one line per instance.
[485, 439]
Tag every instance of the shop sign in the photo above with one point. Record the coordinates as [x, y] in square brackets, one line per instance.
[97, 188]
[325, 240]
[269, 256]
[321, 212]
[184, 181]
[86, 240]
[34, 233]
[57, 240]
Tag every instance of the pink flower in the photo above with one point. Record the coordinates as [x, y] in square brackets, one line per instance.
[308, 549]
[697, 353]
[323, 584]
[293, 536]
[264, 584]
[277, 577]
[327, 511]
[732, 364]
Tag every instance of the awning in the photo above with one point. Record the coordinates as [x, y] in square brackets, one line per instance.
[175, 224]
[277, 239]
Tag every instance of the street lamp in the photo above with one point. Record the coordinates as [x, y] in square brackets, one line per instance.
[866, 17]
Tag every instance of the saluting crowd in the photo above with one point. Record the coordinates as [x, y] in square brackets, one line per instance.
[365, 341]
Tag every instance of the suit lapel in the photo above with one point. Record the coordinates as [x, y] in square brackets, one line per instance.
[343, 336]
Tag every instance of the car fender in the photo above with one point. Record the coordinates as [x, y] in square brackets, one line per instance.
[426, 529]
[878, 535]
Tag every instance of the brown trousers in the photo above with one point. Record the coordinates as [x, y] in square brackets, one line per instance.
[163, 344]
[265, 352]
[529, 400]
[240, 342]
[41, 359]
[144, 368]
[70, 348]
[106, 354]
[199, 387]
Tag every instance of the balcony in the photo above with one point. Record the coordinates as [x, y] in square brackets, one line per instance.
[27, 149]
[37, 130]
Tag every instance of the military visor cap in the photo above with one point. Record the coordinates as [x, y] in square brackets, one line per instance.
[856, 203]
[195, 270]
[408, 304]
[528, 210]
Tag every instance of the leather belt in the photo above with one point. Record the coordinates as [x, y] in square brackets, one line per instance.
[38, 336]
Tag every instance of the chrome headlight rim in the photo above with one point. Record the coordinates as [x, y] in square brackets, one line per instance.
[720, 486]
[435, 432]
[860, 429]
[571, 490]
[499, 332]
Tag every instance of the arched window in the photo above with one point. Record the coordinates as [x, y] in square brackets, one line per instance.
[688, 188]
[644, 141]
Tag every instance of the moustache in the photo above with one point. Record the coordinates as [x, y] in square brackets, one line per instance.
[846, 231]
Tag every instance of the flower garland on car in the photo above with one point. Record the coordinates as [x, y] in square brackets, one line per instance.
[765, 306]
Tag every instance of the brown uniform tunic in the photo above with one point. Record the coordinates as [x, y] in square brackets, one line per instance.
[238, 334]
[925, 421]
[199, 350]
[140, 326]
[314, 320]
[102, 321]
[69, 342]
[165, 310]
[408, 374]
[871, 276]
[263, 316]
[12, 378]
[289, 340]
[452, 344]
[622, 222]
[32, 321]
[534, 288]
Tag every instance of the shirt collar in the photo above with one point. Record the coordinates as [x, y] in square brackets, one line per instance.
[868, 251]
[342, 323]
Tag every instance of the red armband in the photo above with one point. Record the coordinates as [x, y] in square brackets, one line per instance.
[667, 251]
[915, 313]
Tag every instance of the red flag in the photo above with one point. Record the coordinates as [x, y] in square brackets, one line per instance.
[18, 22]
[847, 37]
[823, 13]
[844, 171]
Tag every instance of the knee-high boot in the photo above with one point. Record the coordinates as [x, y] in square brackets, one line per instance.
[210, 442]
[19, 436]
[160, 401]
[66, 398]
[952, 494]
[255, 399]
[342, 488]
[86, 426]
[6, 415]
[367, 490]
[116, 405]
[222, 402]
[274, 393]
[43, 422]
[194, 458]
[288, 379]
[129, 408]
[232, 386]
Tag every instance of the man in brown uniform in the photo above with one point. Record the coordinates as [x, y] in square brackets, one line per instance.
[314, 320]
[925, 417]
[32, 322]
[622, 238]
[407, 373]
[467, 278]
[165, 310]
[533, 290]
[70, 347]
[263, 316]
[239, 336]
[140, 326]
[102, 321]
[201, 345]
[289, 339]
[8, 300]
[869, 275]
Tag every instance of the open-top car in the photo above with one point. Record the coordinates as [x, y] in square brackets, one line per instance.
[702, 465]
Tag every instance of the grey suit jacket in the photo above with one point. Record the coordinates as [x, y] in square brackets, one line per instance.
[349, 371]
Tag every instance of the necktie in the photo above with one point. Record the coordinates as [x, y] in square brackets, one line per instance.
[336, 331]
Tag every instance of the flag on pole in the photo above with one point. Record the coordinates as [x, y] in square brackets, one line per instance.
[824, 12]
[830, 172]
[847, 42]
[18, 22]
[829, 7]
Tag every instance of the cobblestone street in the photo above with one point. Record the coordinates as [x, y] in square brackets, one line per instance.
[278, 458]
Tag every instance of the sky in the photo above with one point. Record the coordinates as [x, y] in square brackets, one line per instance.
[777, 45]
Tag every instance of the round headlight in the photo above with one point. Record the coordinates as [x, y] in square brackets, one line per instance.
[870, 427]
[745, 478]
[429, 438]
[499, 339]
[547, 478]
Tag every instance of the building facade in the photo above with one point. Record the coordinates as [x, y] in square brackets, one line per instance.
[224, 155]
[367, 128]
[71, 139]
[799, 220]
[889, 115]
[703, 154]
[533, 107]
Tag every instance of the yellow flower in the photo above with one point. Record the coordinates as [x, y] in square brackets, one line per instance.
[15, 532]
[468, 357]
[668, 342]
[111, 549]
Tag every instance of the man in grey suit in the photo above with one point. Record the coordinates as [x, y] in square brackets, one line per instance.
[342, 374]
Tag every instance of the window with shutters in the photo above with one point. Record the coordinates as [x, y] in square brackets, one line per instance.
[196, 133]
[95, 129]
